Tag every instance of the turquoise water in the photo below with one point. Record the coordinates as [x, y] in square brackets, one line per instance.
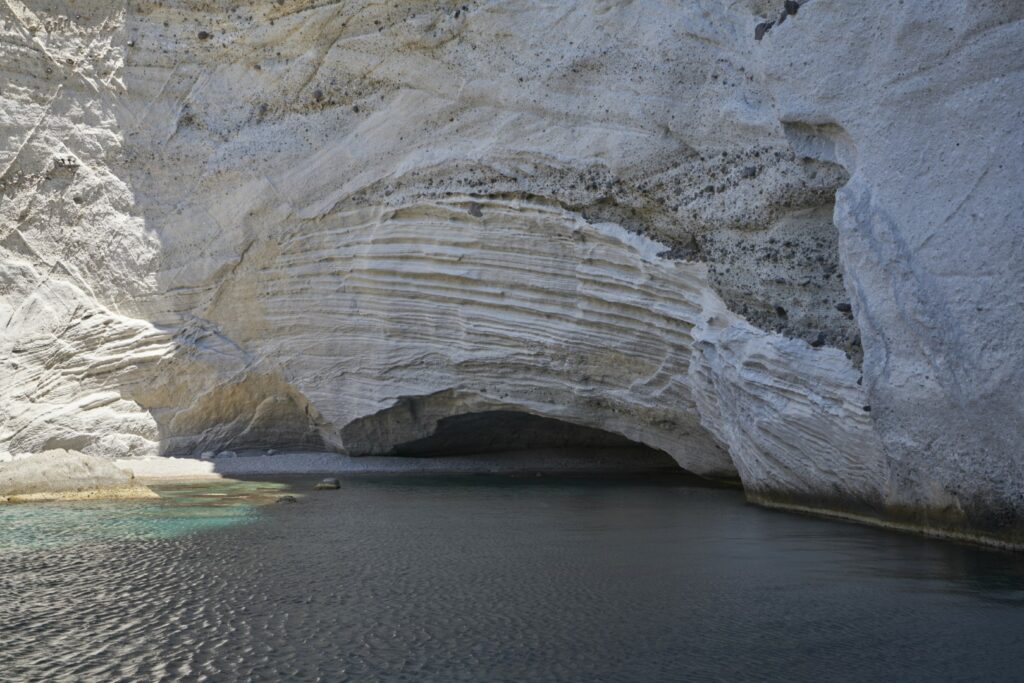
[181, 509]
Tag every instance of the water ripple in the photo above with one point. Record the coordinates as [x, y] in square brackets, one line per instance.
[492, 580]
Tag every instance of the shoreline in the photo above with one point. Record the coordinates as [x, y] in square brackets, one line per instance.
[977, 540]
[156, 470]
[549, 461]
[140, 492]
[553, 462]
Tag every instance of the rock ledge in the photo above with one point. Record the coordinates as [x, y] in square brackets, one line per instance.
[66, 475]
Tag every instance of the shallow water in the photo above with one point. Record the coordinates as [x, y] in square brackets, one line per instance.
[181, 509]
[492, 579]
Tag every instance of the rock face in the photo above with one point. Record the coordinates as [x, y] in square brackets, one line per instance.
[335, 226]
[64, 475]
[923, 106]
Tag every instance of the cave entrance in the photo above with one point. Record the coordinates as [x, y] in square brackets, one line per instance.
[516, 440]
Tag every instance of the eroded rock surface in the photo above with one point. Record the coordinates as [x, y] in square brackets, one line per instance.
[924, 106]
[63, 475]
[334, 225]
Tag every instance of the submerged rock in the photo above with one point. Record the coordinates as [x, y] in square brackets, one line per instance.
[64, 475]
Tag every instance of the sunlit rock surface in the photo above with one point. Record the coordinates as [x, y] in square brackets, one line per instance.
[66, 475]
[330, 226]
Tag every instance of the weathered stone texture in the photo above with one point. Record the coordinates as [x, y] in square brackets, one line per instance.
[794, 259]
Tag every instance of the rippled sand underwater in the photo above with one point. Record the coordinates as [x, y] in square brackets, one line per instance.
[182, 508]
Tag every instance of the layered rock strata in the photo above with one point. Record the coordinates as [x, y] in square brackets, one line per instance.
[337, 225]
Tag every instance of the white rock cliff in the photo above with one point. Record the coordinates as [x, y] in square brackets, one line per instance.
[331, 225]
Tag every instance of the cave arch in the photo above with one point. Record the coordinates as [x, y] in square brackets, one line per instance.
[502, 437]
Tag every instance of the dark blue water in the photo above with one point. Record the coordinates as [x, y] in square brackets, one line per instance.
[494, 579]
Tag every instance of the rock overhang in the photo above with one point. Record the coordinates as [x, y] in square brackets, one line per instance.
[215, 151]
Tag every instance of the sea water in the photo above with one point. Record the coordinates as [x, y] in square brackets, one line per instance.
[490, 579]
